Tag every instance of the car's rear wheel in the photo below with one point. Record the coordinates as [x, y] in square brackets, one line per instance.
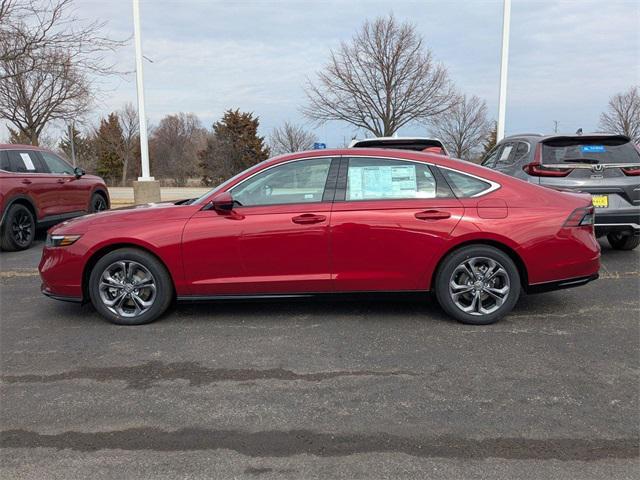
[622, 241]
[19, 229]
[98, 203]
[130, 287]
[477, 284]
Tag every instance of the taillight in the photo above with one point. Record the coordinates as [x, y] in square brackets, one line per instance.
[631, 171]
[581, 217]
[538, 170]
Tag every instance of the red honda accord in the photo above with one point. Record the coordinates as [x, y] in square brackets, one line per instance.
[332, 222]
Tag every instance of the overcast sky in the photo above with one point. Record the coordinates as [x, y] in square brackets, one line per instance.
[566, 57]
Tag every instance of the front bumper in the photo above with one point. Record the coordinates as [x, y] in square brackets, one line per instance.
[45, 290]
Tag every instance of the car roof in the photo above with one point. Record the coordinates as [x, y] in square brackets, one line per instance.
[402, 143]
[19, 146]
[539, 137]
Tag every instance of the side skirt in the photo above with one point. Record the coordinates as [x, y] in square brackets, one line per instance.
[334, 296]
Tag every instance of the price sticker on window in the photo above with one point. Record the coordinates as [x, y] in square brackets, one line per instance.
[28, 163]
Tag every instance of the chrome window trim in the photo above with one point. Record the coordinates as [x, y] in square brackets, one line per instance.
[493, 185]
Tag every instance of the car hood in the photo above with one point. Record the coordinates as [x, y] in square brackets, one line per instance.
[147, 213]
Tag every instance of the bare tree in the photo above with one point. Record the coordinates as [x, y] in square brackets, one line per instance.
[128, 117]
[382, 80]
[174, 146]
[463, 128]
[623, 114]
[46, 60]
[290, 138]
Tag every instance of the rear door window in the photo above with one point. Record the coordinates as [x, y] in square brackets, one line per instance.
[492, 157]
[24, 161]
[386, 179]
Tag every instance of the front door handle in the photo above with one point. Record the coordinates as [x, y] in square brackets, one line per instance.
[308, 218]
[433, 215]
[61, 180]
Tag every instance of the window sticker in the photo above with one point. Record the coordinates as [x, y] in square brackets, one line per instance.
[505, 152]
[592, 149]
[382, 181]
[26, 158]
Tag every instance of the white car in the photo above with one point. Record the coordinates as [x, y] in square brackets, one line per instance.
[417, 144]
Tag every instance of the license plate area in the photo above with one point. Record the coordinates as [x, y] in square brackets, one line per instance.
[600, 201]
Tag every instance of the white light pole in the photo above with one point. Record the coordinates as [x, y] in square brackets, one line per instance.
[144, 146]
[145, 189]
[504, 64]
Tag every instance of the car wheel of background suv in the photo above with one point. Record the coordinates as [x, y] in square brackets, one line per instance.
[98, 203]
[620, 241]
[130, 287]
[19, 229]
[477, 284]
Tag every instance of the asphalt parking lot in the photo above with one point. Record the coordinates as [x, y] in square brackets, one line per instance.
[375, 389]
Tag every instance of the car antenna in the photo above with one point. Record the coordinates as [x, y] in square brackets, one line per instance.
[579, 131]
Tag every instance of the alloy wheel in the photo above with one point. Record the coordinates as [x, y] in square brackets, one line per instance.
[479, 286]
[127, 288]
[21, 228]
[99, 204]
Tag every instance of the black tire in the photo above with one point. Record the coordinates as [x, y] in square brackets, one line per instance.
[134, 258]
[620, 241]
[19, 229]
[98, 203]
[481, 256]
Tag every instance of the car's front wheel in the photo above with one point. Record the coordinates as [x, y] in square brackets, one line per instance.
[98, 203]
[477, 284]
[19, 229]
[623, 241]
[130, 287]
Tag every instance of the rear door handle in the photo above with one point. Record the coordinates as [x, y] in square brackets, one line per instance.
[308, 218]
[26, 181]
[432, 215]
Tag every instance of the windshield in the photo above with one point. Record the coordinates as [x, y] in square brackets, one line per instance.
[589, 150]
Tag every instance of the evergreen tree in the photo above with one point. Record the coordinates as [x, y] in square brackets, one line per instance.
[233, 146]
[18, 137]
[109, 147]
[491, 140]
[83, 149]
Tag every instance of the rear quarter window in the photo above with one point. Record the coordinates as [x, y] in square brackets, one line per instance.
[465, 186]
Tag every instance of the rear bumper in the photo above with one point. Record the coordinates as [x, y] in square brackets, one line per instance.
[561, 284]
[607, 222]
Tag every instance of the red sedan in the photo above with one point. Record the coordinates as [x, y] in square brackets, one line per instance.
[332, 222]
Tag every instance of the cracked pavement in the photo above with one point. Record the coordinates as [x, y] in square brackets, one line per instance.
[307, 389]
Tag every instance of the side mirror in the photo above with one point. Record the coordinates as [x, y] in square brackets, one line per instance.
[223, 203]
[78, 172]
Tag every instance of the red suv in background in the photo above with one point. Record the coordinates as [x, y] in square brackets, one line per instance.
[39, 189]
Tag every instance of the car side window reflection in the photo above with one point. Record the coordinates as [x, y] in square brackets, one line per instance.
[490, 159]
[56, 164]
[300, 181]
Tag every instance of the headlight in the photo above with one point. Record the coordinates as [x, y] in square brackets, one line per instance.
[61, 240]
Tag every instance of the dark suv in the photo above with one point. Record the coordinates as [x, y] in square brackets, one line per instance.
[39, 189]
[606, 166]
